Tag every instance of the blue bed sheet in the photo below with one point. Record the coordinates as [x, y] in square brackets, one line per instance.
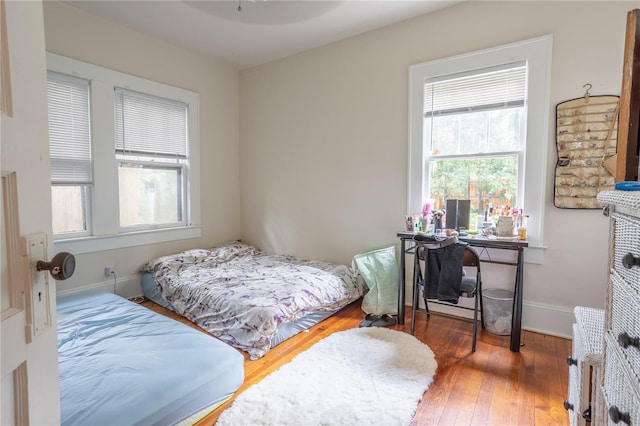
[123, 364]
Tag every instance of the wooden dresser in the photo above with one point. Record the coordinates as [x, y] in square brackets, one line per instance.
[620, 373]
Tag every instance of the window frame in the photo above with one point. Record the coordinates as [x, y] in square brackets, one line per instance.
[536, 53]
[150, 155]
[86, 191]
[83, 183]
[519, 153]
[106, 233]
[181, 189]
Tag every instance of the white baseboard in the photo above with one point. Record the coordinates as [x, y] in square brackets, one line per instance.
[548, 319]
[537, 317]
[126, 287]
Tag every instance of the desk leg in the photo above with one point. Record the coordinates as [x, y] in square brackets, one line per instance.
[401, 278]
[516, 318]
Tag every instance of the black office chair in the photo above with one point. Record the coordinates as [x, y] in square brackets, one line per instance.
[470, 285]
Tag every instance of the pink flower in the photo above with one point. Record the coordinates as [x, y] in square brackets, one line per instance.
[427, 208]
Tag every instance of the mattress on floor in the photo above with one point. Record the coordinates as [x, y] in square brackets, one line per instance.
[123, 364]
[285, 331]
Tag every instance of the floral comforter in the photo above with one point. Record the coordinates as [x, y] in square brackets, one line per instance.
[241, 294]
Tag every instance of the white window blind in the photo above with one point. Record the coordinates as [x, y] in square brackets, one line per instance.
[150, 125]
[69, 129]
[455, 94]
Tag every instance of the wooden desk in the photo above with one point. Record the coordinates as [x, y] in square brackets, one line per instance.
[476, 241]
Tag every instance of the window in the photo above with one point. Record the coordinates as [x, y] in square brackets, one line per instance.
[151, 149]
[124, 158]
[474, 135]
[70, 152]
[479, 130]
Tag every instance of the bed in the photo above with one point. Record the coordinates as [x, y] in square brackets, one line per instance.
[123, 364]
[249, 298]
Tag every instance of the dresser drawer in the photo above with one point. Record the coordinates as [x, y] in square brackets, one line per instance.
[626, 249]
[590, 325]
[625, 321]
[620, 394]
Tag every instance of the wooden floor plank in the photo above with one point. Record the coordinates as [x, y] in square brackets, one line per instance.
[491, 386]
[525, 375]
[550, 385]
[483, 403]
[501, 365]
[444, 343]
[470, 388]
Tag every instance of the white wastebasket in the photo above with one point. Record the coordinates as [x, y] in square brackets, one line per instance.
[497, 305]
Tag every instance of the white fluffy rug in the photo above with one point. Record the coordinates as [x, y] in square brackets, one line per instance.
[363, 376]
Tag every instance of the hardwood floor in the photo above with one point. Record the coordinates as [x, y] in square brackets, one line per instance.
[492, 386]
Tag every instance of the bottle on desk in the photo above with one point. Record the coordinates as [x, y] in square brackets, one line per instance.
[522, 226]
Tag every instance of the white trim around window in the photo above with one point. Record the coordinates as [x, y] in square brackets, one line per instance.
[106, 233]
[537, 55]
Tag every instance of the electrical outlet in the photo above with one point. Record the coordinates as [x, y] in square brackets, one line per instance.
[109, 270]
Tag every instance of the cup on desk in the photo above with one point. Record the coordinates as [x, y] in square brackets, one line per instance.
[409, 223]
[522, 233]
[487, 229]
[437, 224]
[430, 229]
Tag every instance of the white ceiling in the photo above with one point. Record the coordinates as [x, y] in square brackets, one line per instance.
[263, 31]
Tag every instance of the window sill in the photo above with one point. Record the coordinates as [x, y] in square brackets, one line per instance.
[131, 239]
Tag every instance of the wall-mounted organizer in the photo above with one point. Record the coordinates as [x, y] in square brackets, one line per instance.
[586, 137]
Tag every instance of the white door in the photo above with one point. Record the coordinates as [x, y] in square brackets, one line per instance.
[29, 369]
[15, 407]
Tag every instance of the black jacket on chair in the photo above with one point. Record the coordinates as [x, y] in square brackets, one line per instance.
[443, 269]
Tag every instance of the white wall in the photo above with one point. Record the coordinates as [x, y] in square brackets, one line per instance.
[78, 35]
[25, 150]
[321, 167]
[324, 139]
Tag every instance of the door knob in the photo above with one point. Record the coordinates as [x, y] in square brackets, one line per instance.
[61, 266]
